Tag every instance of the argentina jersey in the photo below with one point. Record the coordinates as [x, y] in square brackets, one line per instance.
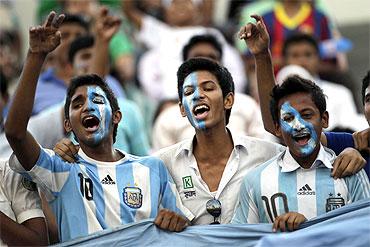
[90, 195]
[280, 186]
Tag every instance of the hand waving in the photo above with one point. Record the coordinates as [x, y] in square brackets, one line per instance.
[106, 25]
[45, 38]
[256, 36]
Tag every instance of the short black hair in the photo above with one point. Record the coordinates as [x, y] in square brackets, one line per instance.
[294, 84]
[204, 38]
[76, 19]
[221, 73]
[78, 44]
[300, 38]
[91, 79]
[365, 84]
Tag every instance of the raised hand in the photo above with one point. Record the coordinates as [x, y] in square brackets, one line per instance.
[255, 36]
[45, 38]
[106, 25]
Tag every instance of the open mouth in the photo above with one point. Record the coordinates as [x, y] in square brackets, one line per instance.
[200, 111]
[302, 137]
[91, 123]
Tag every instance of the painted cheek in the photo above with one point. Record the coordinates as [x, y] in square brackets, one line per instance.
[190, 100]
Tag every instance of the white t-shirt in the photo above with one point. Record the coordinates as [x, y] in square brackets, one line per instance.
[248, 153]
[19, 198]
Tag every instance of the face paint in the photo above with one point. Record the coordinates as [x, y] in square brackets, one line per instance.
[98, 102]
[294, 125]
[189, 101]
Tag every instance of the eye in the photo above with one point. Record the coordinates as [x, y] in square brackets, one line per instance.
[188, 91]
[367, 99]
[288, 118]
[307, 115]
[98, 100]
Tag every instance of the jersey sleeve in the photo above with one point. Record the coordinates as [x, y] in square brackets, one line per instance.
[170, 196]
[50, 172]
[23, 196]
[358, 186]
[246, 210]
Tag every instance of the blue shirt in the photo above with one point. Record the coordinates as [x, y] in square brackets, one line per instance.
[90, 195]
[338, 141]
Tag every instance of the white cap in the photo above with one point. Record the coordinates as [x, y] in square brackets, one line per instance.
[290, 70]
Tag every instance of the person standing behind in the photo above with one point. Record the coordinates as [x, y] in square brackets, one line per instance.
[21, 218]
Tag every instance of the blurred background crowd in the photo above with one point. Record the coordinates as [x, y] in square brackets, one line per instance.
[324, 40]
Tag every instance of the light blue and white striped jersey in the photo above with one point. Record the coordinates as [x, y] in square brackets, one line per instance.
[91, 195]
[281, 185]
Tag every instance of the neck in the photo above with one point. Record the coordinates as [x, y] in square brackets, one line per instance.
[291, 7]
[307, 161]
[215, 143]
[103, 152]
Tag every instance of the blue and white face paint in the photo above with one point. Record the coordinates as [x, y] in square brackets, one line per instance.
[296, 127]
[99, 107]
[191, 100]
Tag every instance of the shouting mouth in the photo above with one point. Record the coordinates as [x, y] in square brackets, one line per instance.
[302, 137]
[201, 111]
[91, 123]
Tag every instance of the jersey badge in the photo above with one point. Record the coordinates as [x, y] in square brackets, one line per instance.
[133, 197]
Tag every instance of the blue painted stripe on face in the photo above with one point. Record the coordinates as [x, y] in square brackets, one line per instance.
[297, 124]
[102, 111]
[189, 101]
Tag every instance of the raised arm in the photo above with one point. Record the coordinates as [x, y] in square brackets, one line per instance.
[257, 40]
[43, 39]
[132, 13]
[106, 27]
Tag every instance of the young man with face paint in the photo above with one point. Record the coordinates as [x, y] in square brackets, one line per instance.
[209, 167]
[106, 187]
[296, 185]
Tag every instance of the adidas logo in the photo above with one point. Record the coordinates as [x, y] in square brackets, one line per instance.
[107, 180]
[306, 190]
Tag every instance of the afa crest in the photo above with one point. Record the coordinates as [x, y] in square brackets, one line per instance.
[132, 197]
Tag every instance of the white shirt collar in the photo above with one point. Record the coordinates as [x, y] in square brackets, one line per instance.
[324, 158]
[186, 146]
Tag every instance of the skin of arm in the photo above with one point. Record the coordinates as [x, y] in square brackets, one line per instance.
[257, 40]
[43, 39]
[30, 232]
[132, 13]
[106, 27]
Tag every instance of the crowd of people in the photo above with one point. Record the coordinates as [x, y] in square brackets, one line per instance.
[96, 133]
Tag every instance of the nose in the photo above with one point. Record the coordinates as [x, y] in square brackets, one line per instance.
[298, 125]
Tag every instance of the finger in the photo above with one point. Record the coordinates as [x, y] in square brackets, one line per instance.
[282, 224]
[275, 225]
[256, 17]
[158, 219]
[290, 221]
[173, 223]
[181, 224]
[63, 155]
[59, 20]
[49, 19]
[336, 165]
[298, 221]
[103, 11]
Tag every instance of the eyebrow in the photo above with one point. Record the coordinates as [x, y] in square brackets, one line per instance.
[79, 97]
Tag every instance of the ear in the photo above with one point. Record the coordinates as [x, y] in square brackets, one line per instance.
[278, 130]
[229, 101]
[325, 119]
[67, 125]
[117, 116]
[182, 109]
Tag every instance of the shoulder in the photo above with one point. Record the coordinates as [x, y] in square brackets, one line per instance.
[171, 153]
[255, 174]
[255, 143]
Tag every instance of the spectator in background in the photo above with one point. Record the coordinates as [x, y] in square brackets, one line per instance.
[157, 67]
[244, 119]
[22, 221]
[303, 50]
[283, 18]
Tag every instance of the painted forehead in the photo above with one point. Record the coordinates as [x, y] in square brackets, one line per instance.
[367, 91]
